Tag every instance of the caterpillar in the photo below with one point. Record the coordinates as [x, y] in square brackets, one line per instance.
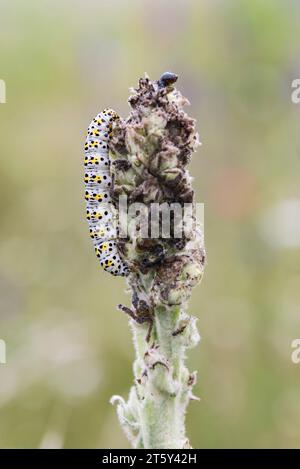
[100, 210]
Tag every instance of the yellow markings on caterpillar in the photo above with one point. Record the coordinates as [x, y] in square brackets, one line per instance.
[93, 197]
[93, 159]
[102, 248]
[108, 263]
[94, 215]
[94, 133]
[94, 178]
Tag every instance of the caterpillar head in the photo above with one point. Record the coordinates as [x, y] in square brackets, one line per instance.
[110, 114]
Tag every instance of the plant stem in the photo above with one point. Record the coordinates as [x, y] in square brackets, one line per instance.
[151, 150]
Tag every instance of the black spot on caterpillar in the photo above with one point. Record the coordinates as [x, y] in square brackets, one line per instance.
[100, 210]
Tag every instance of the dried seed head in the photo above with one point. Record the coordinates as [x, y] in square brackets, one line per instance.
[152, 149]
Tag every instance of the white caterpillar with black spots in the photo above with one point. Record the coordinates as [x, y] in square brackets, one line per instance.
[100, 210]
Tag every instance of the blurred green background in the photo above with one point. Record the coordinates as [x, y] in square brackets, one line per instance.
[68, 348]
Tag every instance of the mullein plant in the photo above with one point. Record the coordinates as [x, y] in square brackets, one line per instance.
[150, 151]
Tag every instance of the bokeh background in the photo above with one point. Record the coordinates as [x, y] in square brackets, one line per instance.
[68, 348]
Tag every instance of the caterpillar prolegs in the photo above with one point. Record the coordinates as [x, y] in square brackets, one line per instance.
[100, 210]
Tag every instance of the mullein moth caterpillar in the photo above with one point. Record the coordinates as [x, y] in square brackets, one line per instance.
[100, 210]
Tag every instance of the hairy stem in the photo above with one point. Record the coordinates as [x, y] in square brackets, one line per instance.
[152, 149]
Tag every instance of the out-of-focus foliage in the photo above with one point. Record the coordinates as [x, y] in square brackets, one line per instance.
[68, 348]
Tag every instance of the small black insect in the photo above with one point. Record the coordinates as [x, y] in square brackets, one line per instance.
[167, 78]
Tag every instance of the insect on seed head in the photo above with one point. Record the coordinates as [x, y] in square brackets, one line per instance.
[167, 78]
